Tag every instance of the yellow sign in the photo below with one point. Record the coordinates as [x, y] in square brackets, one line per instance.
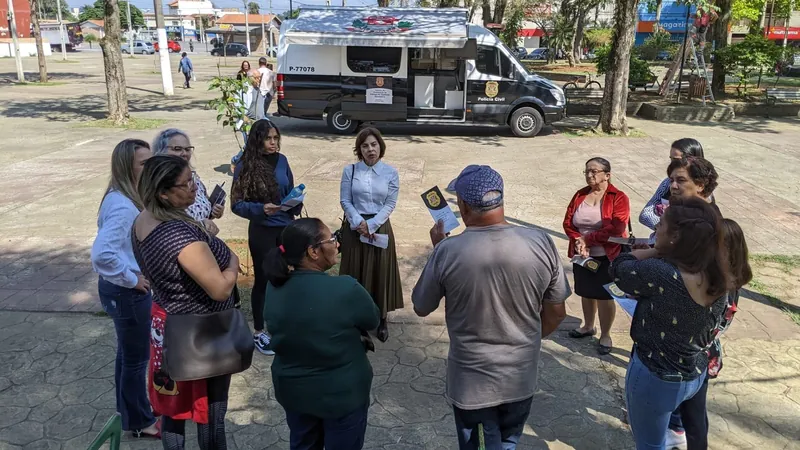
[379, 82]
[433, 199]
[225, 26]
[492, 89]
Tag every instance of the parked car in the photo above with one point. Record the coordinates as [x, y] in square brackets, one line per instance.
[230, 50]
[589, 56]
[273, 52]
[663, 55]
[537, 54]
[520, 52]
[141, 47]
[172, 46]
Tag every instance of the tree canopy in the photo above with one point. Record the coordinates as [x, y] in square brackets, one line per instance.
[97, 12]
[253, 8]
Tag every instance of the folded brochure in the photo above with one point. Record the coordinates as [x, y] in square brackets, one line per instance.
[624, 300]
[379, 240]
[292, 202]
[589, 263]
[439, 209]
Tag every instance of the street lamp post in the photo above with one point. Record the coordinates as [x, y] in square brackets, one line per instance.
[61, 31]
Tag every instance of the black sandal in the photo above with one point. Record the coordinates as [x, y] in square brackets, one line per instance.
[575, 334]
[604, 349]
[383, 331]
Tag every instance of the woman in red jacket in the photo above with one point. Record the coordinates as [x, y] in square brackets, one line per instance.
[596, 213]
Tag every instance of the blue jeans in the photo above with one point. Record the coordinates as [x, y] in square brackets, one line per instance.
[130, 310]
[307, 432]
[501, 425]
[651, 401]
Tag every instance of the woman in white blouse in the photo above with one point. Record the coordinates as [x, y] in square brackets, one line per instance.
[175, 142]
[368, 195]
[124, 291]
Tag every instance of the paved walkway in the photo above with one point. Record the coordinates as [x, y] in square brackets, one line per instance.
[55, 385]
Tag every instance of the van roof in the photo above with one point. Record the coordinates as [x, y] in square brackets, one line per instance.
[379, 27]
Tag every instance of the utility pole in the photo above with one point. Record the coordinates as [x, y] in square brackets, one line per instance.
[246, 24]
[786, 24]
[263, 35]
[163, 49]
[61, 33]
[130, 29]
[12, 27]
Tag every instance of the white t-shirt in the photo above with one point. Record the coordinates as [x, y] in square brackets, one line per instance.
[266, 80]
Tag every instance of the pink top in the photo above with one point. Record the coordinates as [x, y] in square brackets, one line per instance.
[587, 219]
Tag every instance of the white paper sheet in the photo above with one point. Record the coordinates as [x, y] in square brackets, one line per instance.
[380, 240]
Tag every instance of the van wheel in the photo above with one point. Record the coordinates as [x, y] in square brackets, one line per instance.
[526, 122]
[339, 124]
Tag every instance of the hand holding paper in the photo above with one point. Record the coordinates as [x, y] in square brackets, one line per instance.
[626, 302]
[378, 240]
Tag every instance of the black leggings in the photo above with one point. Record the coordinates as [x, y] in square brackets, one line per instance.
[211, 435]
[261, 240]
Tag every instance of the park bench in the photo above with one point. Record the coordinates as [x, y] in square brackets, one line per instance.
[775, 94]
[651, 82]
[581, 94]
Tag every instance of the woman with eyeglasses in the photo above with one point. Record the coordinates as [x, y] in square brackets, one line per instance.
[597, 212]
[368, 193]
[321, 373]
[175, 142]
[191, 272]
[261, 180]
[654, 209]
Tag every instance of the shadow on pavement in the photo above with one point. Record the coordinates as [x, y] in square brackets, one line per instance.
[86, 107]
[10, 78]
[769, 300]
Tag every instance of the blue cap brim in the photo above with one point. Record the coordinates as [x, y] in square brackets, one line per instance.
[452, 186]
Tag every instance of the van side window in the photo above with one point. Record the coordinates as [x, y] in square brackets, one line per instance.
[374, 59]
[487, 61]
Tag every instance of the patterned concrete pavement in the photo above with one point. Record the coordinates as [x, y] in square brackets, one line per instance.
[55, 383]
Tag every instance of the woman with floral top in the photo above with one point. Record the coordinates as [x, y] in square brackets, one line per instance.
[681, 286]
[175, 142]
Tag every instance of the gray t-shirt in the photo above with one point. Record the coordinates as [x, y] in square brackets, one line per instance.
[495, 280]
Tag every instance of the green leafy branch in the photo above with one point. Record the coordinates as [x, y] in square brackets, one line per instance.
[229, 105]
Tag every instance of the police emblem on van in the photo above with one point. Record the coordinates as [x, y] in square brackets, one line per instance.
[492, 89]
[380, 24]
[379, 82]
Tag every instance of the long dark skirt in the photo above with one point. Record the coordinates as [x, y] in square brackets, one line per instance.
[375, 268]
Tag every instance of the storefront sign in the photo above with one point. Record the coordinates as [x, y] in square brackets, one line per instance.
[379, 90]
[673, 26]
[779, 32]
[225, 26]
[173, 29]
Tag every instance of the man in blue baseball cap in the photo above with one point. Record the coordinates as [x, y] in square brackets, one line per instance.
[505, 289]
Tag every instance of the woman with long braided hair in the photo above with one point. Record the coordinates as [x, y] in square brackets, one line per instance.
[261, 179]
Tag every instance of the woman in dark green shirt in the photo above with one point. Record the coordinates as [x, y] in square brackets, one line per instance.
[321, 373]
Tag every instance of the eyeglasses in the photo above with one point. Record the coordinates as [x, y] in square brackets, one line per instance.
[593, 172]
[179, 149]
[335, 238]
[187, 185]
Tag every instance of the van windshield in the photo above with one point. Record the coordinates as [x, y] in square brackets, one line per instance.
[513, 55]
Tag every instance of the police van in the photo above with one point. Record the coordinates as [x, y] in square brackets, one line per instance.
[415, 65]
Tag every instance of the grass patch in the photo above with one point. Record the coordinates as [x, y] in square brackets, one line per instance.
[65, 61]
[133, 123]
[786, 264]
[48, 83]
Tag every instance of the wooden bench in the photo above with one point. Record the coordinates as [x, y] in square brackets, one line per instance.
[595, 97]
[775, 94]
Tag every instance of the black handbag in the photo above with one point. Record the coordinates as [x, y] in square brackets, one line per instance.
[199, 346]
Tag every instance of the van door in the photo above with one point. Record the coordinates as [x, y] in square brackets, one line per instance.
[492, 85]
[375, 83]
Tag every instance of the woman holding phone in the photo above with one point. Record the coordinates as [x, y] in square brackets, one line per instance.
[175, 142]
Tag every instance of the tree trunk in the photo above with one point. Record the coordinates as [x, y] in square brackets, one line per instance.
[39, 47]
[763, 17]
[721, 38]
[114, 69]
[577, 36]
[615, 95]
[486, 12]
[499, 10]
[659, 7]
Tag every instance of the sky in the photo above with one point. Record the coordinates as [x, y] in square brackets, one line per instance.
[278, 6]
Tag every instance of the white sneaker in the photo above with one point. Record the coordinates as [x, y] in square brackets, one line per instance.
[262, 344]
[675, 440]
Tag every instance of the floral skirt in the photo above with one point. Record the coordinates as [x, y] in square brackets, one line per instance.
[180, 400]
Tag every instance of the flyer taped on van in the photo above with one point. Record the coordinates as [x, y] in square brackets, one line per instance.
[439, 209]
[624, 300]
